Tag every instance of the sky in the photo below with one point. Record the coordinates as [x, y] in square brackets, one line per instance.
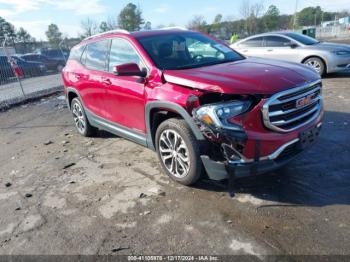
[36, 15]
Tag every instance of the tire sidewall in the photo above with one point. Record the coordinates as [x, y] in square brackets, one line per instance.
[195, 162]
[77, 101]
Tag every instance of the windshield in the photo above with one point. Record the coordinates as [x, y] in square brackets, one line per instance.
[306, 40]
[182, 50]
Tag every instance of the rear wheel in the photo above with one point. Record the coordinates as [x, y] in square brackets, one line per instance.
[59, 68]
[81, 122]
[178, 151]
[317, 64]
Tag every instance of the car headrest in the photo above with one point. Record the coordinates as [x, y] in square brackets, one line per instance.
[165, 50]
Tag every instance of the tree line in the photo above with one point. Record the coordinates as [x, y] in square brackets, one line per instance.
[255, 19]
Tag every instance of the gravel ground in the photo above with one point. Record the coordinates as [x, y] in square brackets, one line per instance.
[61, 193]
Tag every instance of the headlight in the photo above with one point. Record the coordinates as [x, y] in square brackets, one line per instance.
[342, 52]
[217, 115]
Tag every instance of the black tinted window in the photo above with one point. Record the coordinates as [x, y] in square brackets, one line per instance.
[306, 40]
[254, 42]
[96, 55]
[122, 52]
[76, 52]
[276, 41]
[29, 57]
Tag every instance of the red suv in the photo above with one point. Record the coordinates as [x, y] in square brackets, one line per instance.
[196, 102]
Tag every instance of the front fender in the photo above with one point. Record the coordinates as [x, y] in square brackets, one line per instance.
[173, 107]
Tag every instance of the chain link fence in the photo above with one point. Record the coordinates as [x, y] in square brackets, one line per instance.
[29, 70]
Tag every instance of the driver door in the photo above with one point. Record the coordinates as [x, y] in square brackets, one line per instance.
[124, 102]
[280, 48]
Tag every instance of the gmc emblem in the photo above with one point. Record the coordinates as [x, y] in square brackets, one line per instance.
[304, 101]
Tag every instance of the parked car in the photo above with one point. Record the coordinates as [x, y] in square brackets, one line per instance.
[51, 64]
[6, 71]
[293, 47]
[30, 69]
[231, 115]
[52, 53]
[198, 50]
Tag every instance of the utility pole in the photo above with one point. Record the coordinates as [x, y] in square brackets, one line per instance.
[295, 15]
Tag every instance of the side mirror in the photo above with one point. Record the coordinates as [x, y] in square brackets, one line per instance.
[130, 69]
[293, 45]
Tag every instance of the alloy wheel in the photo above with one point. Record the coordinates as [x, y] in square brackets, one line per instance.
[174, 153]
[79, 118]
[315, 65]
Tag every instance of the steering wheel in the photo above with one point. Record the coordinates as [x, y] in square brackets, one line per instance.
[198, 58]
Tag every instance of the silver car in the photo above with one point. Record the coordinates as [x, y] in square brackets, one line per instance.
[289, 46]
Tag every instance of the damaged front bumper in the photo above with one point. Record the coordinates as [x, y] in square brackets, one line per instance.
[220, 170]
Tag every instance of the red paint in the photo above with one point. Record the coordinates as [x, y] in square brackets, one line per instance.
[122, 99]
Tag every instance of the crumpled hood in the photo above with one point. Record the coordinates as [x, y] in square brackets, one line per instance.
[248, 76]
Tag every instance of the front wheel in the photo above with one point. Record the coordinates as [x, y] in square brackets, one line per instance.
[178, 151]
[317, 64]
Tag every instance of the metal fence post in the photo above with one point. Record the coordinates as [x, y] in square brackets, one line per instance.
[14, 71]
[60, 47]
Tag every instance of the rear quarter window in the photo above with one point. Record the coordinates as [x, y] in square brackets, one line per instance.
[76, 52]
[95, 55]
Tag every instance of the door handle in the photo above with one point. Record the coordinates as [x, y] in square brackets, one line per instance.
[269, 50]
[106, 81]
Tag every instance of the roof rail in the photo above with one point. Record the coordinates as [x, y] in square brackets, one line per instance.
[108, 32]
[174, 28]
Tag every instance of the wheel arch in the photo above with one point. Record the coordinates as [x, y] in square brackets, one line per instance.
[158, 111]
[319, 57]
[71, 94]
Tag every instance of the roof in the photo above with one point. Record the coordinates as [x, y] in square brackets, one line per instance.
[136, 34]
[139, 34]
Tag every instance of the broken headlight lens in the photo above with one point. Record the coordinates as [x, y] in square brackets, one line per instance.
[217, 115]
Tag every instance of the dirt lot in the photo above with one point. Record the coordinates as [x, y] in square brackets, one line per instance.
[61, 193]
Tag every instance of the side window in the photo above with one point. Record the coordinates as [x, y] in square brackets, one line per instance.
[96, 55]
[122, 52]
[276, 41]
[253, 42]
[76, 53]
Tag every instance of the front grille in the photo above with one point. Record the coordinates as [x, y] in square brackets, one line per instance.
[293, 108]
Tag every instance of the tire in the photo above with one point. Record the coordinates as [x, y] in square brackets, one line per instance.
[81, 122]
[317, 64]
[59, 68]
[183, 164]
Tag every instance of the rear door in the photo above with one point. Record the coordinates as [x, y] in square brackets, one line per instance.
[125, 95]
[90, 76]
[50, 64]
[252, 47]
